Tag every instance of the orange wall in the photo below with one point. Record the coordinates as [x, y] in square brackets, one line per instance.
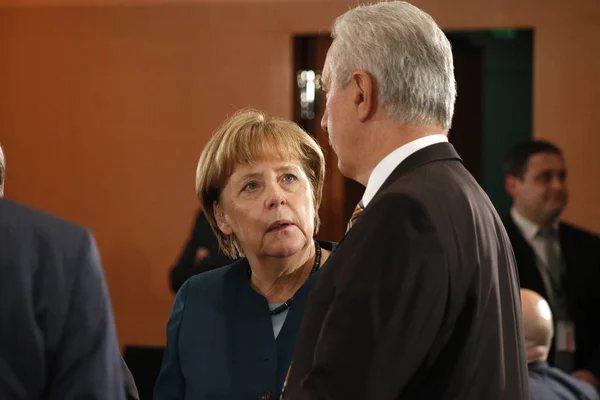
[104, 110]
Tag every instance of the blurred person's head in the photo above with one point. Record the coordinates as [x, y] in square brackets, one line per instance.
[2, 171]
[535, 178]
[389, 79]
[260, 183]
[537, 325]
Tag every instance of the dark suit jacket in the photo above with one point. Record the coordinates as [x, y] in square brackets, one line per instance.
[220, 342]
[548, 383]
[581, 252]
[420, 300]
[57, 335]
[202, 235]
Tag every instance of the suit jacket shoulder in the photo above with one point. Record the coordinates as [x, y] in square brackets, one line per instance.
[583, 236]
[50, 271]
[208, 281]
[547, 382]
[46, 227]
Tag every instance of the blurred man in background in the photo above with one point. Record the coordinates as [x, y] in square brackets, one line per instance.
[559, 261]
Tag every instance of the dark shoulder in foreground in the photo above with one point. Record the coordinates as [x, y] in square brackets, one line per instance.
[19, 217]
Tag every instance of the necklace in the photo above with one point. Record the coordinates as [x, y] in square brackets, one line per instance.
[314, 269]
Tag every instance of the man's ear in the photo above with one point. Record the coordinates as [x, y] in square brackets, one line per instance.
[221, 219]
[365, 94]
[511, 184]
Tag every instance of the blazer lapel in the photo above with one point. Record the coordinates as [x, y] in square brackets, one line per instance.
[294, 318]
[250, 333]
[529, 274]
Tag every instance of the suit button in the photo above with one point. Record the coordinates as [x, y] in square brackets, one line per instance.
[265, 396]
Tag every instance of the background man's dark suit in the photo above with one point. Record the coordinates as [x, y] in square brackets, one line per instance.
[57, 335]
[420, 300]
[581, 253]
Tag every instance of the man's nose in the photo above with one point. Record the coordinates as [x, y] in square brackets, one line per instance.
[557, 183]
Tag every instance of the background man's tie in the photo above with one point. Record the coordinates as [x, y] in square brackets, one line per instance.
[553, 259]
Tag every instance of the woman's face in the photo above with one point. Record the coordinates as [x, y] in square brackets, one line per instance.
[269, 207]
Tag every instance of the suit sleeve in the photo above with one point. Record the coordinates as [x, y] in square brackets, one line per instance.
[170, 384]
[388, 306]
[87, 363]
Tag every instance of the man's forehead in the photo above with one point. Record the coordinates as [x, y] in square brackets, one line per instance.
[326, 74]
[544, 161]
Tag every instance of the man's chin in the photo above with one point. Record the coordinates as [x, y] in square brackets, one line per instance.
[554, 214]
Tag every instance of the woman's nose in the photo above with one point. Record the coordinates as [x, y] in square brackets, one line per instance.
[275, 197]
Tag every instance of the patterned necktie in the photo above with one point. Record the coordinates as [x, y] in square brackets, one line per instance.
[553, 259]
[357, 211]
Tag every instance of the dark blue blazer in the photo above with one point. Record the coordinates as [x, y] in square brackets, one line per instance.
[220, 342]
[57, 335]
[549, 383]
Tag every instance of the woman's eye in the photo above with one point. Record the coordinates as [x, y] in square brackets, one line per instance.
[250, 186]
[289, 178]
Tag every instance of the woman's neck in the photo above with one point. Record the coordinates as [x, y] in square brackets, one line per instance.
[278, 278]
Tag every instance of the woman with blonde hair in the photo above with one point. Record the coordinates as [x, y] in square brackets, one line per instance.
[232, 331]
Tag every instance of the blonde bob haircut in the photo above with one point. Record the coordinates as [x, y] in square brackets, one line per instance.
[245, 138]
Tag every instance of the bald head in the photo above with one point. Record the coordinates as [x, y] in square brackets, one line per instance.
[537, 325]
[2, 171]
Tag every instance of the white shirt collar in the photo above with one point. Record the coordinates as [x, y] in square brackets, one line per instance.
[386, 166]
[528, 228]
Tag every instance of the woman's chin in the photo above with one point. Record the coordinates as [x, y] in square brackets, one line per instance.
[285, 246]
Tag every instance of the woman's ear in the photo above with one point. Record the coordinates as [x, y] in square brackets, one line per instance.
[221, 219]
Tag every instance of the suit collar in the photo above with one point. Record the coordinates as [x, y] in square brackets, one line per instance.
[435, 152]
[386, 166]
[527, 228]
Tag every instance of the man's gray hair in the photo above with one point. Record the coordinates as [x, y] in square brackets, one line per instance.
[408, 55]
